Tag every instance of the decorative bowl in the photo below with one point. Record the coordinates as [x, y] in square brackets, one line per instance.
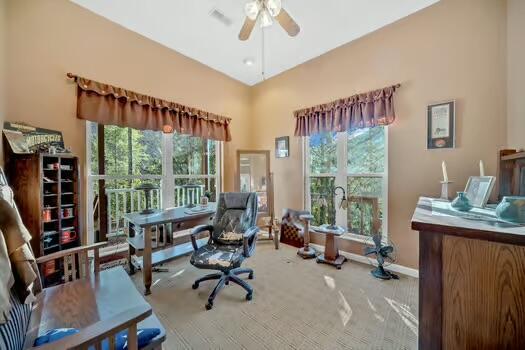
[461, 202]
[512, 208]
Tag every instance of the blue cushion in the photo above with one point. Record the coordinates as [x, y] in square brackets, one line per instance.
[54, 335]
[144, 336]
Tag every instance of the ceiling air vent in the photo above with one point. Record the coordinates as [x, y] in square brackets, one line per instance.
[221, 17]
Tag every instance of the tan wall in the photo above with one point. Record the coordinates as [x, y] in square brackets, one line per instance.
[452, 50]
[3, 71]
[516, 73]
[48, 38]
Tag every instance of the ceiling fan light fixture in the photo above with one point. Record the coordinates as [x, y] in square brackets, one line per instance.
[266, 19]
[273, 7]
[252, 9]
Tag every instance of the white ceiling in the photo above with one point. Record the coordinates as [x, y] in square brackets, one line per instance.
[187, 27]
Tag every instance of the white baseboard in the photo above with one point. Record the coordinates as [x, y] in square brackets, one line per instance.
[408, 271]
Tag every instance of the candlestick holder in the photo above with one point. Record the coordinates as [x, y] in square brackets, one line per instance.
[445, 190]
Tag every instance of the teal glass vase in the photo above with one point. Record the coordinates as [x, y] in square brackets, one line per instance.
[461, 202]
[512, 208]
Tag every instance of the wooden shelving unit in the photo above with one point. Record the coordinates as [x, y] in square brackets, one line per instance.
[47, 192]
[511, 173]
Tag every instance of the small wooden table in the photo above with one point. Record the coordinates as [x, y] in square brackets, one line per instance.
[331, 250]
[180, 220]
[89, 301]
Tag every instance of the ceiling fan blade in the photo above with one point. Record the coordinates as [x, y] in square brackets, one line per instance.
[288, 23]
[246, 29]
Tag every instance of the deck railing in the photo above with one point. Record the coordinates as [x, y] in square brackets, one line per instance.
[126, 200]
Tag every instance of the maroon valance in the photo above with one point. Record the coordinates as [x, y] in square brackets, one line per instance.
[354, 112]
[110, 105]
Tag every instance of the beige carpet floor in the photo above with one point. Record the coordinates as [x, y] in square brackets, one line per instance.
[297, 304]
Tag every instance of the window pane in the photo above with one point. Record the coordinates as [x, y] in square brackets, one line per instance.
[93, 145]
[366, 150]
[322, 204]
[189, 191]
[193, 155]
[128, 151]
[323, 153]
[123, 198]
[365, 207]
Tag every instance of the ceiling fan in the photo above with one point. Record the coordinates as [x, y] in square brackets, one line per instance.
[265, 11]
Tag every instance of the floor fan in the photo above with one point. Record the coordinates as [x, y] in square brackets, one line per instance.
[385, 255]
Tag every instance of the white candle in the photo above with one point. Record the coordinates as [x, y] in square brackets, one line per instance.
[445, 175]
[481, 168]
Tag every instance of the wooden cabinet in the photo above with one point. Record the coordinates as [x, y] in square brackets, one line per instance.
[471, 281]
[47, 192]
[511, 173]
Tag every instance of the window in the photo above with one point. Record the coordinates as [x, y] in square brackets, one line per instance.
[183, 167]
[194, 169]
[356, 161]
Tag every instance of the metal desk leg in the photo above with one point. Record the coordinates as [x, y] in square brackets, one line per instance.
[146, 260]
[131, 250]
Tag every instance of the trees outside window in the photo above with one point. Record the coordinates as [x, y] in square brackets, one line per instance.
[356, 161]
[183, 167]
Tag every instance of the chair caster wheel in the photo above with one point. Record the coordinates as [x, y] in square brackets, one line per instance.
[250, 276]
[227, 282]
[209, 306]
[195, 286]
[249, 296]
[338, 267]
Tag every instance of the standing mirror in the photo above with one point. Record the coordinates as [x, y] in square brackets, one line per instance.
[253, 169]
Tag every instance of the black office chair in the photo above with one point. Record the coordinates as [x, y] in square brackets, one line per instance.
[232, 239]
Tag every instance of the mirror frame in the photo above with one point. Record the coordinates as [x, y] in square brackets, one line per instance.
[269, 180]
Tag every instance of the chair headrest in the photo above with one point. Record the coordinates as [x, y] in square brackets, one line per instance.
[236, 200]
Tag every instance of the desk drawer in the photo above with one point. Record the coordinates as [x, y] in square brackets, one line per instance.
[188, 224]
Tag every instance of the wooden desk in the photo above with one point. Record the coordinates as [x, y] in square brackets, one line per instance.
[180, 219]
[471, 279]
[89, 301]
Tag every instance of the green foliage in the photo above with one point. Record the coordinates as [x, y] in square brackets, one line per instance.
[366, 151]
[322, 206]
[323, 153]
[139, 152]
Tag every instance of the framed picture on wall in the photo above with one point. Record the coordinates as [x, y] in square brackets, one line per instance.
[282, 147]
[441, 125]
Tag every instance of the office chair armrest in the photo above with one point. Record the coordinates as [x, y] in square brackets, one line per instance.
[199, 229]
[249, 238]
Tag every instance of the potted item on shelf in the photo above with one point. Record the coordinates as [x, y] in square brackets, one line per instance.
[68, 236]
[461, 202]
[512, 208]
[67, 212]
[53, 166]
[46, 215]
[49, 267]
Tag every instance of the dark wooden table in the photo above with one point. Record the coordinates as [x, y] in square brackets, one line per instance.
[471, 279]
[88, 301]
[180, 218]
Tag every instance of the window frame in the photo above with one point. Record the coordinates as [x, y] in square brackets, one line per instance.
[167, 177]
[341, 179]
